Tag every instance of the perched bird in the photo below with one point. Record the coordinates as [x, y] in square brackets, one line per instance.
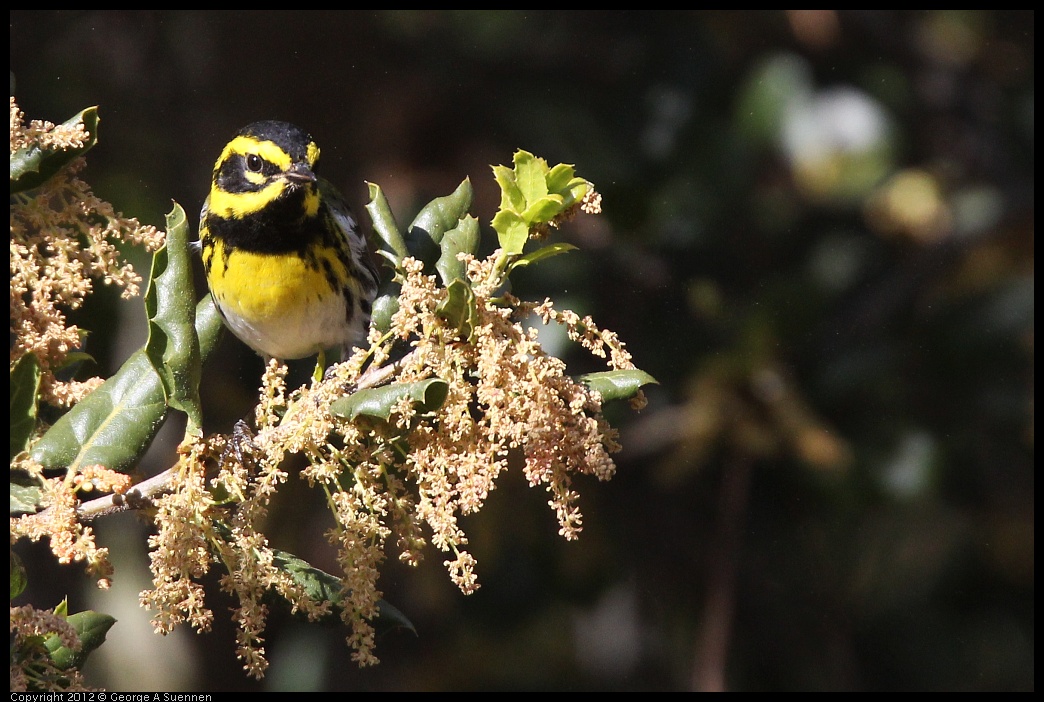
[285, 260]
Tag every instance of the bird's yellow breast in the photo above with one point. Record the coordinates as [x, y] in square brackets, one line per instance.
[281, 305]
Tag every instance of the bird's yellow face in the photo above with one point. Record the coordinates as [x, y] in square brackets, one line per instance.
[253, 172]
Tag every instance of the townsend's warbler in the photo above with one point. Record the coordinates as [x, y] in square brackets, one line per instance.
[285, 261]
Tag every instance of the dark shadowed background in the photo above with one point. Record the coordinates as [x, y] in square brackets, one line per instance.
[817, 234]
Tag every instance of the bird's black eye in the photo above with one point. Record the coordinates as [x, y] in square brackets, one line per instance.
[254, 163]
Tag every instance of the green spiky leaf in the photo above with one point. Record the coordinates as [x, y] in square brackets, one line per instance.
[459, 308]
[511, 198]
[512, 231]
[91, 628]
[617, 384]
[384, 308]
[173, 347]
[25, 499]
[532, 196]
[391, 245]
[442, 214]
[427, 395]
[464, 238]
[530, 175]
[25, 386]
[18, 576]
[324, 587]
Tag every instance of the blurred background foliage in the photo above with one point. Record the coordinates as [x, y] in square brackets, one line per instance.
[817, 234]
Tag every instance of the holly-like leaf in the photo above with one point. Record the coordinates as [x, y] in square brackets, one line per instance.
[91, 628]
[459, 308]
[25, 384]
[18, 576]
[25, 499]
[464, 238]
[384, 308]
[533, 196]
[512, 231]
[543, 209]
[428, 395]
[324, 587]
[531, 175]
[173, 347]
[561, 178]
[617, 384]
[442, 214]
[511, 198]
[391, 244]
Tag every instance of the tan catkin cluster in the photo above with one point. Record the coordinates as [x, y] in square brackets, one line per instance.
[402, 483]
[62, 238]
[181, 547]
[57, 521]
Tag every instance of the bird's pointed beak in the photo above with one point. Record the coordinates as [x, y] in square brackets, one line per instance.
[299, 174]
